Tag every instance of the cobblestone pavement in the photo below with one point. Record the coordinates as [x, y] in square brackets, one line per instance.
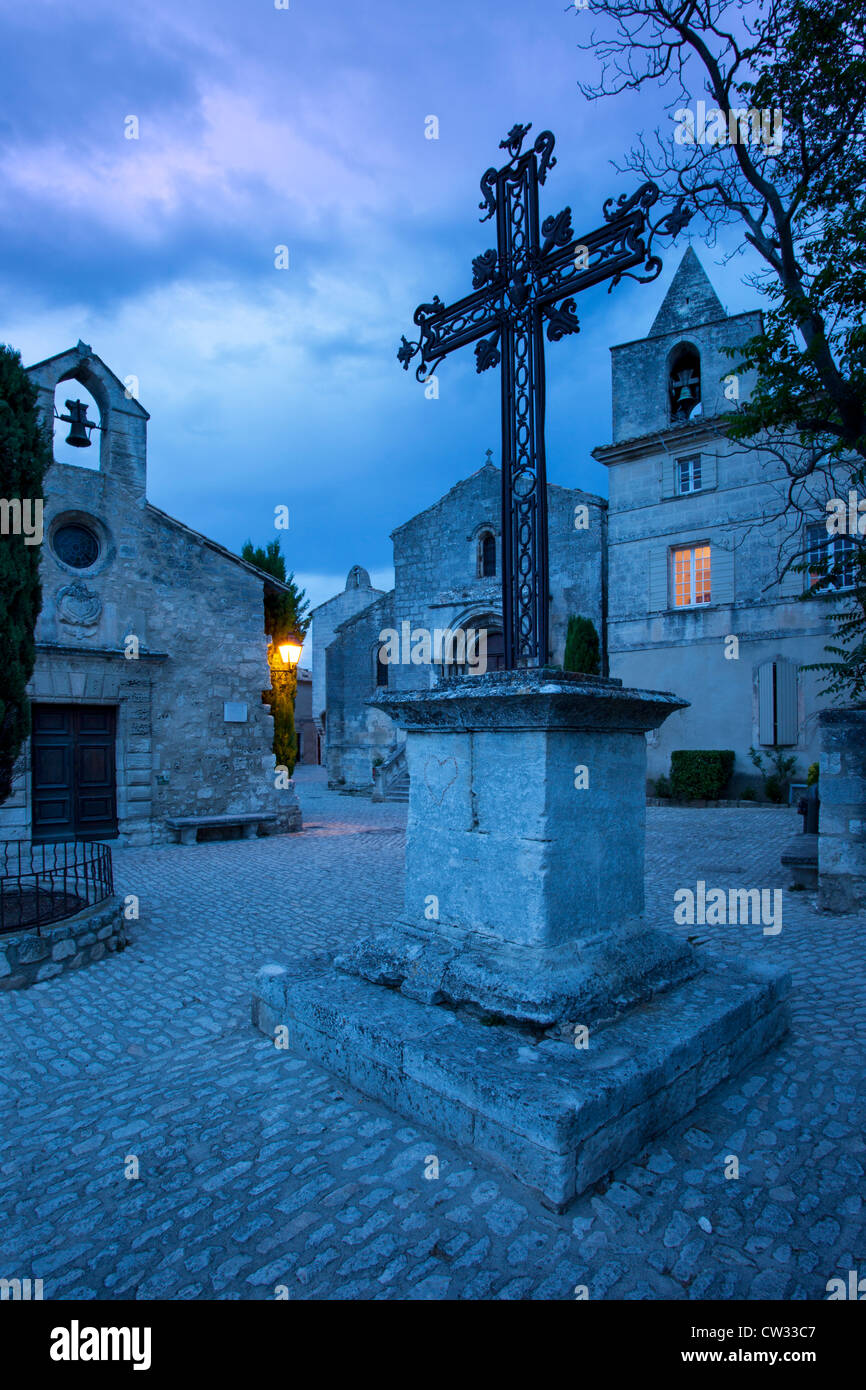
[259, 1170]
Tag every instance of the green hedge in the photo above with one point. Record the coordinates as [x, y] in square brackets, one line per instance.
[700, 773]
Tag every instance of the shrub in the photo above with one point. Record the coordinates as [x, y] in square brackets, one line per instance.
[700, 773]
[582, 647]
[776, 768]
[748, 794]
[662, 786]
[812, 774]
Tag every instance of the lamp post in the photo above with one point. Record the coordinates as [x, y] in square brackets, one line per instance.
[283, 659]
[290, 651]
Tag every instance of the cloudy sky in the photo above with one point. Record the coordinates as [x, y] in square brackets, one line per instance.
[304, 127]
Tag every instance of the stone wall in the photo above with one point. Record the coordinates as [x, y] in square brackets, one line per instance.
[27, 959]
[327, 617]
[842, 821]
[354, 733]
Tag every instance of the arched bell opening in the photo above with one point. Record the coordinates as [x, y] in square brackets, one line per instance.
[78, 419]
[684, 384]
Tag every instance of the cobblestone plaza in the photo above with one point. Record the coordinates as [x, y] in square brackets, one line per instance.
[261, 1176]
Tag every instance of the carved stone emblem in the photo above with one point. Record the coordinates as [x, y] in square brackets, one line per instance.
[78, 606]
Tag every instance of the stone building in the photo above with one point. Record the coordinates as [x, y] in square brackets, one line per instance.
[309, 739]
[447, 578]
[151, 655]
[693, 545]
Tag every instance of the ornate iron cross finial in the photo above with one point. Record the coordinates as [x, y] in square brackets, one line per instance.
[524, 285]
[513, 141]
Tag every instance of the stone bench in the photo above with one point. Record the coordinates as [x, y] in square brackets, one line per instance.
[187, 827]
[801, 857]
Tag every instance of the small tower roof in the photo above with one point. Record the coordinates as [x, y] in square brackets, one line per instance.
[690, 300]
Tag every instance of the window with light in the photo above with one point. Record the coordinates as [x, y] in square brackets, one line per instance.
[691, 576]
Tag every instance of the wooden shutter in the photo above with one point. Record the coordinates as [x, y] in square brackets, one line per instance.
[721, 575]
[709, 472]
[658, 579]
[786, 702]
[766, 704]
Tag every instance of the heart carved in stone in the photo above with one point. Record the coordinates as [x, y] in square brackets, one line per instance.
[439, 775]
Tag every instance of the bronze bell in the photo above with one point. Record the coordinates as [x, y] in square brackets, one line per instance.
[78, 424]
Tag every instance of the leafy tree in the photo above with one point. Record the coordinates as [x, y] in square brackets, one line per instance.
[796, 200]
[286, 616]
[582, 647]
[25, 456]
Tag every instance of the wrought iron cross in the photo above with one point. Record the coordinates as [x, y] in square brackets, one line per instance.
[526, 283]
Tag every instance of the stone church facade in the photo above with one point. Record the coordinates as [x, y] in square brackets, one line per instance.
[680, 561]
[151, 654]
[447, 577]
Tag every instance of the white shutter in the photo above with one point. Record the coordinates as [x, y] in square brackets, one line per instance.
[766, 705]
[786, 702]
[658, 579]
[709, 473]
[669, 476]
[721, 575]
[791, 586]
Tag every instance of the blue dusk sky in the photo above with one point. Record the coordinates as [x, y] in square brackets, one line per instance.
[303, 127]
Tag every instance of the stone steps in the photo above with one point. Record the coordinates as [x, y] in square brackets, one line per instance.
[399, 788]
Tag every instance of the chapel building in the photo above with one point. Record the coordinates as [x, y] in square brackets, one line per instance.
[151, 657]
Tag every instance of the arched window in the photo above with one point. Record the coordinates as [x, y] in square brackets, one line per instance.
[381, 669]
[684, 386]
[486, 555]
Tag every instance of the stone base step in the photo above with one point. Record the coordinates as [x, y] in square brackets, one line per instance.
[558, 1118]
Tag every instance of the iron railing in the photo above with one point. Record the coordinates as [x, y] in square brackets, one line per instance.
[40, 884]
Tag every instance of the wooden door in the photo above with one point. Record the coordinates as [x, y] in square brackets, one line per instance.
[74, 786]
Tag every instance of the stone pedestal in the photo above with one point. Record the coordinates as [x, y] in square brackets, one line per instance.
[842, 824]
[522, 1005]
[289, 819]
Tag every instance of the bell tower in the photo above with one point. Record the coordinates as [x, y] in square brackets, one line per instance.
[680, 373]
[120, 433]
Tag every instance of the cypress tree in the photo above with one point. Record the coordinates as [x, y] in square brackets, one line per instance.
[582, 647]
[285, 616]
[25, 456]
